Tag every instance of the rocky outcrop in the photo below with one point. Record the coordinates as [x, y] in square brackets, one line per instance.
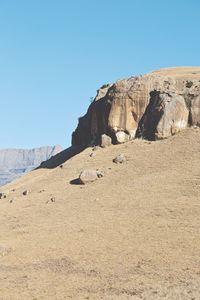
[165, 115]
[15, 162]
[154, 105]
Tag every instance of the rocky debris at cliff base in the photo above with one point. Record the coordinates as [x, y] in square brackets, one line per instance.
[94, 151]
[95, 148]
[93, 154]
[106, 141]
[122, 137]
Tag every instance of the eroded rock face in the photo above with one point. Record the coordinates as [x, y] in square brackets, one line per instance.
[154, 105]
[165, 115]
[194, 106]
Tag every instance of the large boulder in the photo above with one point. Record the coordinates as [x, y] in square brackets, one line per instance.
[105, 141]
[88, 176]
[154, 105]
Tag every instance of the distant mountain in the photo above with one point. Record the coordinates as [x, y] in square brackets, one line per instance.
[15, 162]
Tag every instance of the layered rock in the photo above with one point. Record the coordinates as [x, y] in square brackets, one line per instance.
[154, 105]
[15, 162]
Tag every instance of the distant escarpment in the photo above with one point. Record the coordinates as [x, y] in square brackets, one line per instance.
[153, 106]
[15, 162]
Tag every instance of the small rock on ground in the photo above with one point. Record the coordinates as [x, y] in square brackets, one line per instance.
[26, 192]
[93, 153]
[13, 199]
[121, 158]
[4, 194]
[52, 199]
[99, 173]
[95, 148]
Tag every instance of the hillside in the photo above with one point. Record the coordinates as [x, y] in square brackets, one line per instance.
[132, 234]
[15, 162]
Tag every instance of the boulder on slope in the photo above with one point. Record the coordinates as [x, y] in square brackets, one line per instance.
[88, 176]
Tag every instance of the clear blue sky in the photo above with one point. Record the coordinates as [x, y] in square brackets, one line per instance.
[55, 54]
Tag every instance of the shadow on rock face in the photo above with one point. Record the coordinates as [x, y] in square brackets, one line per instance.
[61, 157]
[147, 126]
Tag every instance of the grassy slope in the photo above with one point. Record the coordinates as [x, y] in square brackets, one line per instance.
[184, 73]
[132, 234]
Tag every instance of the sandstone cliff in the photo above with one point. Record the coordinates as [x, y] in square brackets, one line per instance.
[155, 105]
[16, 162]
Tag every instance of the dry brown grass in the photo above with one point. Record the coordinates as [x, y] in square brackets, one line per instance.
[180, 72]
[133, 234]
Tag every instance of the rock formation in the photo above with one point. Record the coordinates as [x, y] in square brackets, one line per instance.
[16, 162]
[155, 105]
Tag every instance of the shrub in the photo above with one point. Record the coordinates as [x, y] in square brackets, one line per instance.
[189, 84]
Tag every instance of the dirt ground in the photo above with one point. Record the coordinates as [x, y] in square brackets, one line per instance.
[132, 234]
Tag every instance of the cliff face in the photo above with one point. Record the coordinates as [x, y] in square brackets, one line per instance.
[15, 162]
[154, 105]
